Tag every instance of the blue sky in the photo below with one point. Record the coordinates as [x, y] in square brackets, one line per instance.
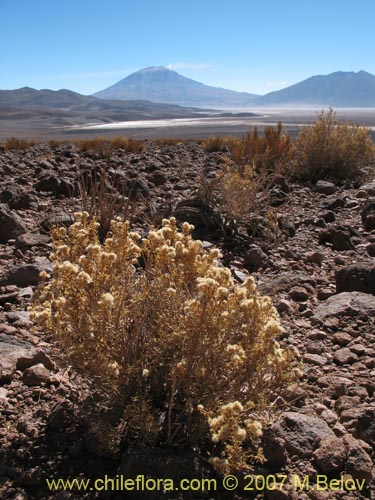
[248, 45]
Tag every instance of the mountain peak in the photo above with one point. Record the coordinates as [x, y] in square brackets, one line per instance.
[152, 69]
[160, 84]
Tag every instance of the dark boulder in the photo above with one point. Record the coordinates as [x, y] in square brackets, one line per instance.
[325, 187]
[368, 214]
[11, 224]
[337, 236]
[356, 278]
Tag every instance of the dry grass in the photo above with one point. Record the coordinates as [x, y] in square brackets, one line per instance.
[13, 143]
[57, 143]
[215, 144]
[188, 352]
[168, 141]
[104, 199]
[104, 147]
[266, 153]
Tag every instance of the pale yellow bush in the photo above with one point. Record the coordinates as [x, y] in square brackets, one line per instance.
[167, 331]
[242, 193]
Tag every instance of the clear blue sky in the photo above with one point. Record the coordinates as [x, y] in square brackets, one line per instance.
[251, 45]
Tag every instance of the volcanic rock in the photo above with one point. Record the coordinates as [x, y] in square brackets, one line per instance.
[11, 224]
[356, 278]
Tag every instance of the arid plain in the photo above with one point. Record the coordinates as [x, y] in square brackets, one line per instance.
[45, 127]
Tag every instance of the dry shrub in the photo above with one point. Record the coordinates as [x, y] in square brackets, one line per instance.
[242, 189]
[243, 196]
[97, 145]
[57, 143]
[128, 145]
[103, 198]
[14, 143]
[168, 141]
[214, 144]
[190, 353]
[267, 152]
[104, 147]
[333, 150]
[241, 192]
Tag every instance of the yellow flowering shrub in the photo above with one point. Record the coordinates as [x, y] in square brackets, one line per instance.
[161, 325]
[242, 192]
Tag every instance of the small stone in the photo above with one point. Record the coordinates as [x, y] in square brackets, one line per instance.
[361, 194]
[36, 375]
[368, 214]
[344, 356]
[341, 338]
[317, 335]
[338, 237]
[11, 224]
[320, 495]
[20, 319]
[334, 385]
[26, 293]
[299, 293]
[26, 425]
[332, 202]
[319, 222]
[39, 358]
[365, 429]
[328, 216]
[349, 404]
[11, 350]
[325, 293]
[358, 349]
[26, 274]
[325, 187]
[356, 278]
[302, 323]
[359, 463]
[158, 178]
[368, 188]
[296, 433]
[315, 359]
[315, 257]
[350, 203]
[48, 183]
[240, 276]
[345, 303]
[28, 240]
[3, 394]
[329, 416]
[254, 259]
[330, 456]
[283, 306]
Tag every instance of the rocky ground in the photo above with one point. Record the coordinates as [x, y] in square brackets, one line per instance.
[317, 264]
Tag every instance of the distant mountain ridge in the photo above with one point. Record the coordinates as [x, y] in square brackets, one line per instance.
[39, 110]
[341, 89]
[66, 108]
[159, 84]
